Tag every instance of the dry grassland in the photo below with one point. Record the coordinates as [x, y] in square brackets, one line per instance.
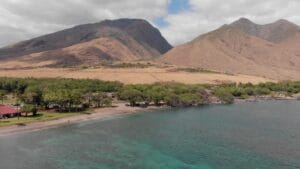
[133, 75]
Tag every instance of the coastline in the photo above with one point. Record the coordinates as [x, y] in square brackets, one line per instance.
[112, 112]
[266, 98]
[97, 114]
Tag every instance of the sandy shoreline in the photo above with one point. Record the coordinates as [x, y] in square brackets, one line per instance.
[97, 114]
[104, 113]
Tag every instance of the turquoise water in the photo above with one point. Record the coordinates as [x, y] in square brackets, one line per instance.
[263, 135]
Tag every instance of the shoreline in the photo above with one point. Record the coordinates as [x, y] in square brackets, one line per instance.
[97, 114]
[111, 112]
[266, 98]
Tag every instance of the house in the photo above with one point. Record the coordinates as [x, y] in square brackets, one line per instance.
[8, 111]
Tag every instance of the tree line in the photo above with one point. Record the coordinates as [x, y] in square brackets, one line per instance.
[66, 95]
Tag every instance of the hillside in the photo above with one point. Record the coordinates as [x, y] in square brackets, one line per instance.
[274, 32]
[244, 47]
[107, 41]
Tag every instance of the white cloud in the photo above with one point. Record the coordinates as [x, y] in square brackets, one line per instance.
[206, 15]
[22, 19]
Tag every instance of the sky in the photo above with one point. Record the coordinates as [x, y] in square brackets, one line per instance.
[179, 20]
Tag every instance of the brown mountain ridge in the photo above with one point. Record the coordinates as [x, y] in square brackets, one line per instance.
[107, 41]
[244, 47]
[274, 32]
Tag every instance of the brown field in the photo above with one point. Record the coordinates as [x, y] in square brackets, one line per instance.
[133, 75]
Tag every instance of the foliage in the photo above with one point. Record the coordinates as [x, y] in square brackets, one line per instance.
[29, 108]
[76, 95]
[172, 94]
[63, 94]
[99, 99]
[224, 95]
[132, 95]
[196, 70]
[2, 95]
[129, 65]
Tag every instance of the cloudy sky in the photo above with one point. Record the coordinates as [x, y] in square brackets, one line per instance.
[178, 20]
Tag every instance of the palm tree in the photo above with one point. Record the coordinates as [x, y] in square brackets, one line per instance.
[2, 96]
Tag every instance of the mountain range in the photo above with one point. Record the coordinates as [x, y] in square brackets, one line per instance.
[107, 41]
[242, 47]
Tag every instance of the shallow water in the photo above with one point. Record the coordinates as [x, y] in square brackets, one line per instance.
[263, 135]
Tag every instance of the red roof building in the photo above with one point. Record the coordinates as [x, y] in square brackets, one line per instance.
[7, 111]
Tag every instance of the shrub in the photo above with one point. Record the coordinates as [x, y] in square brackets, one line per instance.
[224, 95]
[131, 95]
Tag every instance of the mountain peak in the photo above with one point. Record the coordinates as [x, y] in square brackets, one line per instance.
[243, 47]
[124, 22]
[243, 20]
[275, 32]
[283, 21]
[246, 21]
[121, 39]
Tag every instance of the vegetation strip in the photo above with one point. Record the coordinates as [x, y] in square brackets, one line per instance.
[70, 95]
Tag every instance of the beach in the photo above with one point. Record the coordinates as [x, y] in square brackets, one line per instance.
[103, 113]
[118, 110]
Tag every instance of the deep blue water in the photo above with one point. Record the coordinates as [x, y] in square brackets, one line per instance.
[262, 135]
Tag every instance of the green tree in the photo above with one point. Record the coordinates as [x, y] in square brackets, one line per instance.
[131, 95]
[172, 99]
[29, 108]
[188, 99]
[2, 95]
[157, 94]
[101, 99]
[224, 95]
[64, 98]
[107, 102]
[32, 95]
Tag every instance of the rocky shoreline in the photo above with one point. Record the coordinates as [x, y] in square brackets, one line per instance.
[266, 98]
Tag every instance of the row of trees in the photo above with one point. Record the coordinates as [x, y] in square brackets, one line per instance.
[169, 94]
[245, 90]
[65, 95]
[76, 95]
[190, 95]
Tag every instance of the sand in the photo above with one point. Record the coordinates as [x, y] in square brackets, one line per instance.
[119, 110]
[97, 114]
